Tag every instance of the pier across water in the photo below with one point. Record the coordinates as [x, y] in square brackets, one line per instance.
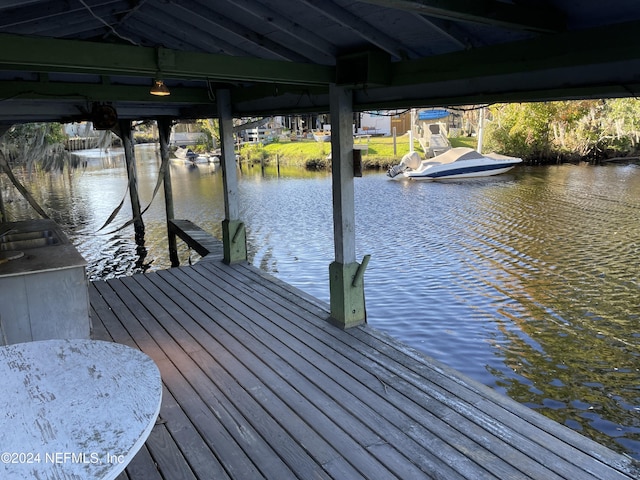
[257, 384]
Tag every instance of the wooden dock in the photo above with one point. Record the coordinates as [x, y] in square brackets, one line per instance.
[257, 384]
[196, 238]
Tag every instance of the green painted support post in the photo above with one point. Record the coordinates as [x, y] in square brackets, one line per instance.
[346, 295]
[234, 240]
[346, 285]
[234, 236]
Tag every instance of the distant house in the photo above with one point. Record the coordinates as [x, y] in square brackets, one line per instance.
[80, 136]
[384, 122]
[186, 133]
[375, 123]
[80, 129]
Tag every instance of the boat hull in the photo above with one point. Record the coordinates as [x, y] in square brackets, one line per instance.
[192, 161]
[467, 171]
[459, 162]
[320, 137]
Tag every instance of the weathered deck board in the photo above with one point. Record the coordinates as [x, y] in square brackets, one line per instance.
[196, 238]
[446, 389]
[259, 385]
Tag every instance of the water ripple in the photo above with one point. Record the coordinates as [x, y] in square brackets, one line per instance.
[527, 282]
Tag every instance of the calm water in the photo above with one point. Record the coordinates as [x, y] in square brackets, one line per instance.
[527, 282]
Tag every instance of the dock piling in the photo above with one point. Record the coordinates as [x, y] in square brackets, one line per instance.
[346, 298]
[233, 231]
[164, 132]
[129, 155]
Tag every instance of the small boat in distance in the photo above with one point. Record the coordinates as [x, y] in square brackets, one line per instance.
[322, 136]
[189, 157]
[460, 162]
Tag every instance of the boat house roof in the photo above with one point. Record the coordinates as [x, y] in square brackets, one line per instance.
[58, 59]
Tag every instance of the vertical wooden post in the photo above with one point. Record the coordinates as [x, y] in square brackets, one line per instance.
[3, 213]
[164, 133]
[346, 295]
[395, 150]
[130, 159]
[480, 130]
[233, 231]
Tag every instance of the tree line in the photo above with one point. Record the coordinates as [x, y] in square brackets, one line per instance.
[542, 132]
[565, 131]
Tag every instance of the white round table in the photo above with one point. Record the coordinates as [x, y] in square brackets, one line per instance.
[74, 409]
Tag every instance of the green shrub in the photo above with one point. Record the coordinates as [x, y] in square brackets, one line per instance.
[253, 152]
[317, 164]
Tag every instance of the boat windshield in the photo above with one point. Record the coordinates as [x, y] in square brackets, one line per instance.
[457, 154]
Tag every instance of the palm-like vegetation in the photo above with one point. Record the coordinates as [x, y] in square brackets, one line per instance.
[31, 144]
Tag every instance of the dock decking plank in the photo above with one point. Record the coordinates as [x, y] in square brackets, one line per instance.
[259, 385]
[369, 387]
[540, 438]
[313, 400]
[143, 465]
[193, 447]
[197, 396]
[251, 383]
[196, 238]
[468, 442]
[543, 432]
[165, 451]
[294, 457]
[195, 450]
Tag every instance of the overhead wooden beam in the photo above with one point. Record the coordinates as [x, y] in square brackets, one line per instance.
[584, 47]
[173, 33]
[99, 92]
[420, 82]
[490, 12]
[54, 55]
[503, 96]
[281, 22]
[452, 31]
[54, 14]
[360, 27]
[363, 68]
[209, 17]
[487, 74]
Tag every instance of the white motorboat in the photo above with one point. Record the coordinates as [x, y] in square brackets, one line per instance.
[460, 162]
[189, 157]
[322, 136]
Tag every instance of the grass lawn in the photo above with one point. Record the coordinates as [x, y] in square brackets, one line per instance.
[471, 142]
[382, 152]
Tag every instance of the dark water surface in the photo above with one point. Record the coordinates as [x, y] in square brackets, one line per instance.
[528, 282]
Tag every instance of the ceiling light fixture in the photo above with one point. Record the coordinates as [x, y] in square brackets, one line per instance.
[159, 88]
